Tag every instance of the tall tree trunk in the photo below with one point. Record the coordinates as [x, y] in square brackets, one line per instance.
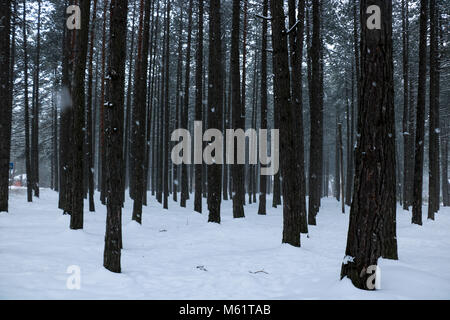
[166, 103]
[89, 136]
[282, 97]
[26, 107]
[35, 117]
[114, 134]
[405, 123]
[296, 45]
[139, 110]
[420, 117]
[185, 110]
[315, 162]
[5, 97]
[238, 114]
[372, 213]
[102, 153]
[215, 103]
[76, 218]
[199, 103]
[433, 154]
[263, 107]
[341, 164]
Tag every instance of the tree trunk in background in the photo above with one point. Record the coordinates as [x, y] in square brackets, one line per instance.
[185, 110]
[5, 97]
[407, 138]
[341, 163]
[199, 103]
[215, 102]
[166, 104]
[433, 150]
[76, 218]
[89, 136]
[26, 108]
[238, 114]
[372, 214]
[35, 116]
[420, 117]
[114, 134]
[282, 98]
[127, 140]
[296, 45]
[315, 162]
[102, 153]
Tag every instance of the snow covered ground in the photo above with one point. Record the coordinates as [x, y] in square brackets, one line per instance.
[176, 254]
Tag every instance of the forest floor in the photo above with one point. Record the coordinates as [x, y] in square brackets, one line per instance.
[176, 254]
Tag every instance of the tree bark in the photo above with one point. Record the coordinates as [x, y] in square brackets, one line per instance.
[372, 214]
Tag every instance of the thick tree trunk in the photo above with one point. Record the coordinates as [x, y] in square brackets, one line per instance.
[296, 45]
[5, 97]
[238, 114]
[372, 226]
[282, 97]
[114, 134]
[215, 103]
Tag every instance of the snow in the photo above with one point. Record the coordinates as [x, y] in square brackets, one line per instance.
[176, 254]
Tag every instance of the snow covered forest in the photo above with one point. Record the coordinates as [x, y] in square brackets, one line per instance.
[355, 98]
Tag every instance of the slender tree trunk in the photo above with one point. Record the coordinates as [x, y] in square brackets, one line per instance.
[26, 107]
[166, 104]
[114, 134]
[199, 103]
[433, 154]
[184, 114]
[420, 117]
[263, 107]
[341, 163]
[89, 136]
[315, 162]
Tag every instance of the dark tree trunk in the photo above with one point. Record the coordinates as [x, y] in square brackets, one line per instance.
[6, 98]
[26, 108]
[372, 226]
[315, 153]
[282, 97]
[296, 45]
[341, 163]
[89, 136]
[263, 179]
[215, 102]
[102, 153]
[139, 110]
[184, 114]
[407, 138]
[166, 103]
[433, 154]
[238, 114]
[420, 116]
[114, 134]
[199, 103]
[35, 117]
[76, 218]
